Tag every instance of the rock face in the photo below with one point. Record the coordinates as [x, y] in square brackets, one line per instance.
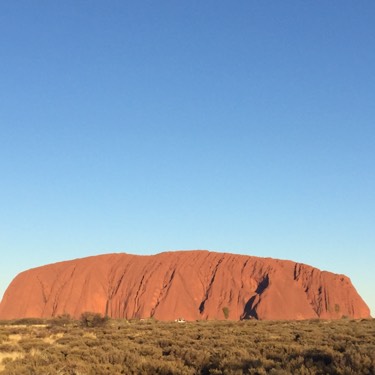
[189, 284]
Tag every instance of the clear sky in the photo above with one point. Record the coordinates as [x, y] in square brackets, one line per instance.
[146, 126]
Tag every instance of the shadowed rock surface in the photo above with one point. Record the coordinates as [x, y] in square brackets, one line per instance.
[189, 284]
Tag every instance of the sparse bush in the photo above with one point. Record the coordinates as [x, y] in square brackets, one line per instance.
[90, 320]
[61, 320]
[226, 312]
[29, 321]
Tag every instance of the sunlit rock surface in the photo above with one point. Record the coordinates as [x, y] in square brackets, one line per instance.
[183, 284]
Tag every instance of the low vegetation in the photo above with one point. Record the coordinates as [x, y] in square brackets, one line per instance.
[95, 345]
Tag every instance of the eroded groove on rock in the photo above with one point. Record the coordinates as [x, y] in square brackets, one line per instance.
[201, 306]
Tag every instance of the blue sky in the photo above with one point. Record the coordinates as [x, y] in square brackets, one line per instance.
[141, 127]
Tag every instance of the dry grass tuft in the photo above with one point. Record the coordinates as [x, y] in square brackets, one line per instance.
[15, 337]
[53, 338]
[7, 357]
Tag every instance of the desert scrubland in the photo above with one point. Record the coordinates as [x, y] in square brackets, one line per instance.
[96, 345]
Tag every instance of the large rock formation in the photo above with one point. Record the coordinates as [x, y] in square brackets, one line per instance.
[189, 284]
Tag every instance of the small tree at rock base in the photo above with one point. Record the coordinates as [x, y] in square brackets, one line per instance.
[90, 319]
[226, 312]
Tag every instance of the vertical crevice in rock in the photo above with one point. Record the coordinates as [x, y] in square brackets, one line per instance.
[251, 305]
[164, 292]
[59, 290]
[297, 271]
[136, 298]
[113, 287]
[208, 290]
[242, 272]
[42, 287]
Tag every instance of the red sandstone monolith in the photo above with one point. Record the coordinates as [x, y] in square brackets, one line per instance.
[183, 284]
